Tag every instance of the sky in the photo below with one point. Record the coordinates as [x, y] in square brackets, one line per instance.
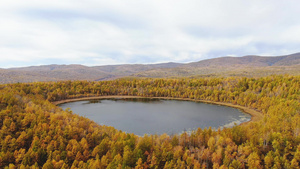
[109, 32]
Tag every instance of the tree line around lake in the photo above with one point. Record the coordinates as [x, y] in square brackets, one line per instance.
[37, 134]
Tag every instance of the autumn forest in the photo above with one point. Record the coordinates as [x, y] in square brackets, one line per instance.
[35, 133]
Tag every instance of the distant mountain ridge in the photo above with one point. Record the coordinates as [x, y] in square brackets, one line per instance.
[251, 60]
[250, 65]
[75, 72]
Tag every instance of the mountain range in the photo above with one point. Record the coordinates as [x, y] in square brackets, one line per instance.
[250, 66]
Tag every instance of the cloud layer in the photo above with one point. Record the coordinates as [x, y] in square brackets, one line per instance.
[150, 31]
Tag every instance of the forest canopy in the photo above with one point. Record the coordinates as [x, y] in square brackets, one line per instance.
[35, 133]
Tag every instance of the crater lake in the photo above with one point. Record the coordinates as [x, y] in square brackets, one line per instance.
[157, 116]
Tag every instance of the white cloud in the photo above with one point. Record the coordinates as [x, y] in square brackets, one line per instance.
[150, 31]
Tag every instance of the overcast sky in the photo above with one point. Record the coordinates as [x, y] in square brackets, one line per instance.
[101, 32]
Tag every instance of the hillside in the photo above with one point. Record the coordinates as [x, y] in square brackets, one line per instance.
[233, 66]
[224, 66]
[50, 73]
[251, 60]
[74, 72]
[130, 69]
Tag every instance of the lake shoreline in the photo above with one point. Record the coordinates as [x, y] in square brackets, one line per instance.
[255, 115]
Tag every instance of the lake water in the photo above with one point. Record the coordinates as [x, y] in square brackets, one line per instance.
[154, 116]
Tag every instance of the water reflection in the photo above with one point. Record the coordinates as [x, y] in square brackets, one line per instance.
[151, 116]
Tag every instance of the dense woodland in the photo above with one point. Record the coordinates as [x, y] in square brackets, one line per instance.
[37, 134]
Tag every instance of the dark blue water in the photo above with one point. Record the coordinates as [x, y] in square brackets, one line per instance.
[153, 116]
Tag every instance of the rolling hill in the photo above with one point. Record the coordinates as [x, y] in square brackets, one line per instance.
[251, 60]
[249, 66]
[75, 72]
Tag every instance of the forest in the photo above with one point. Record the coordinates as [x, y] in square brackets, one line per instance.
[35, 133]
